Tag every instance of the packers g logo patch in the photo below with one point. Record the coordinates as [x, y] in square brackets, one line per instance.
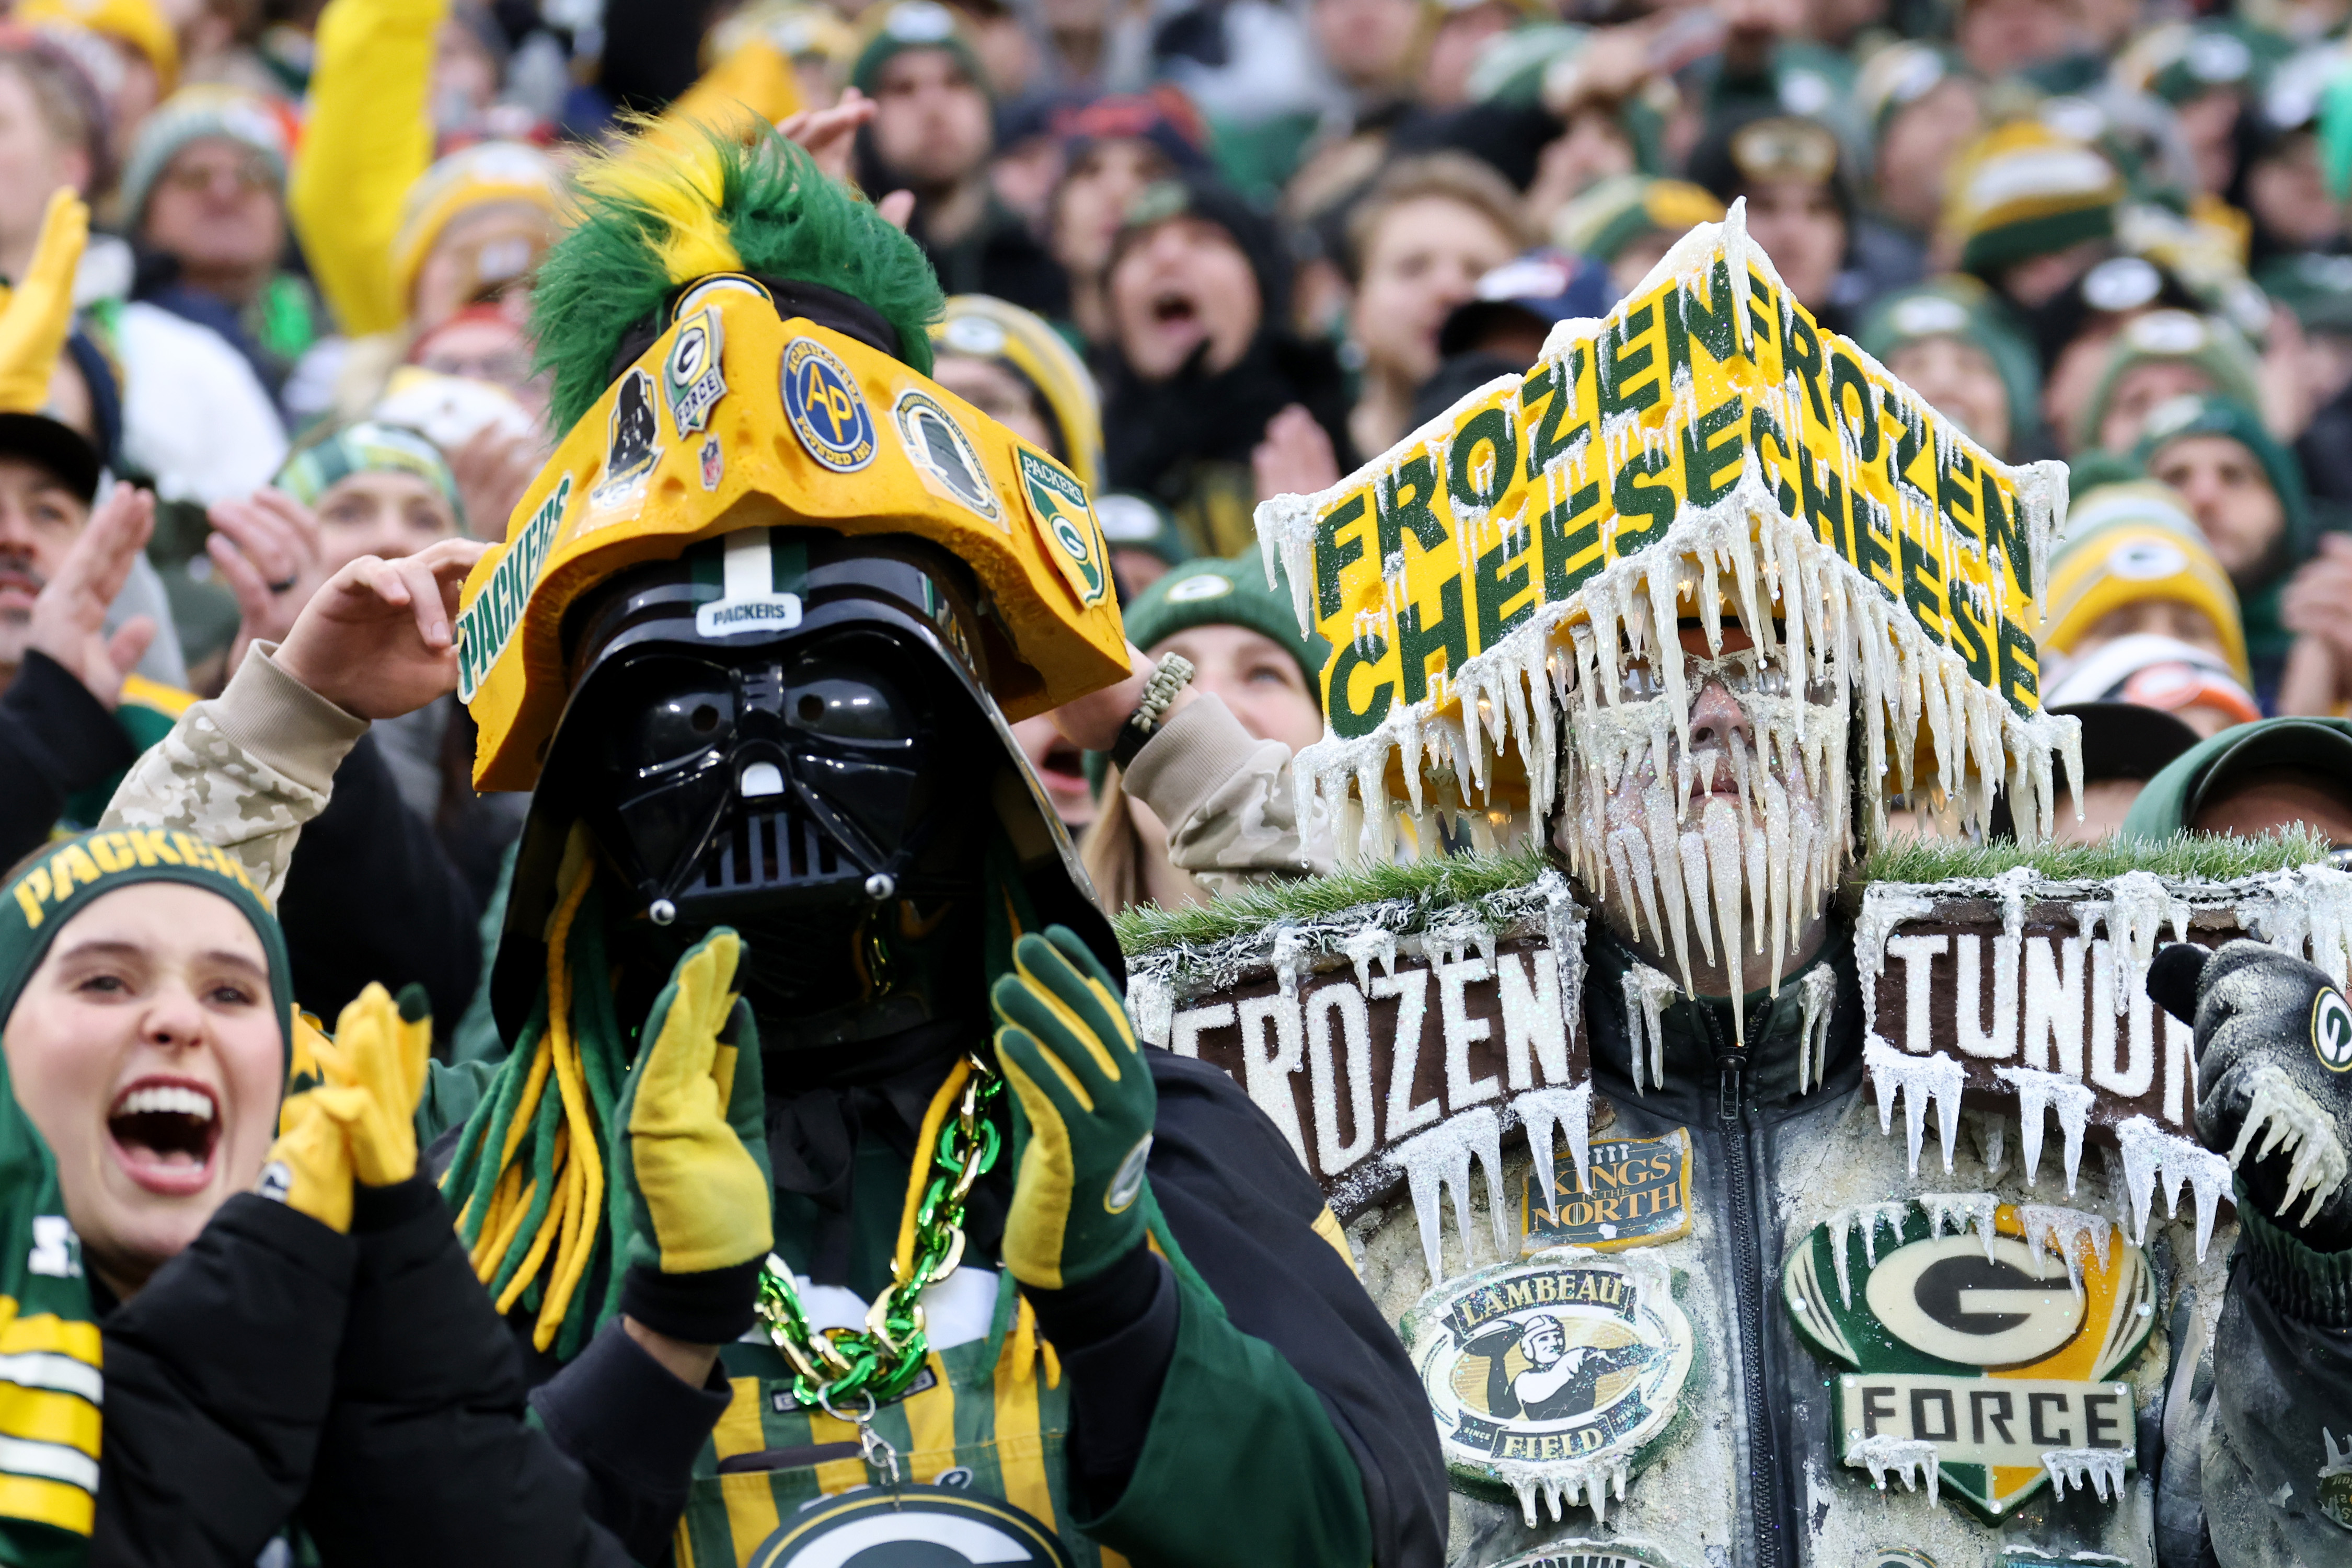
[910, 1527]
[1064, 515]
[2331, 1030]
[827, 410]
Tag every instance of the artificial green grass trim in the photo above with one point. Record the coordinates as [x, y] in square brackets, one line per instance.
[2208, 857]
[1432, 884]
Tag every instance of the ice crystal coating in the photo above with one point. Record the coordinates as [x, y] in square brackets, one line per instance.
[1958, 1212]
[2089, 1470]
[2150, 1153]
[1820, 1000]
[1903, 1456]
[1647, 995]
[1870, 1217]
[1440, 1158]
[2037, 1092]
[2291, 1121]
[1544, 1112]
[2070, 1232]
[1562, 1483]
[1918, 1079]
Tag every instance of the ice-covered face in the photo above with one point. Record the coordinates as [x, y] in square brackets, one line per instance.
[1719, 836]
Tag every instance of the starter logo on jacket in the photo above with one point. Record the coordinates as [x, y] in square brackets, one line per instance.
[1549, 1377]
[910, 1527]
[1981, 1339]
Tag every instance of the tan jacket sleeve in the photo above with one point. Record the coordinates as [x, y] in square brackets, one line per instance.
[1227, 800]
[245, 770]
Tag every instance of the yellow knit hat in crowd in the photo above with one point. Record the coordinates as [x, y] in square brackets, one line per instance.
[2128, 543]
[977, 326]
[135, 22]
[485, 173]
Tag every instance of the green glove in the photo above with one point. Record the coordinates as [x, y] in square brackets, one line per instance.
[696, 1195]
[1084, 1104]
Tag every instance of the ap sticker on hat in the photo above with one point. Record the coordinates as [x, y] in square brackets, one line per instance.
[1058, 503]
[827, 410]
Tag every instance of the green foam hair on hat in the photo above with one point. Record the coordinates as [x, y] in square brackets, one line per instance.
[916, 25]
[73, 873]
[368, 447]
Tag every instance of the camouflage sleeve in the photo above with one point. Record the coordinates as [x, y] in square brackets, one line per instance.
[245, 770]
[1227, 800]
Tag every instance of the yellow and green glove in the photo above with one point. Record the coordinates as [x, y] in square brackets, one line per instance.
[689, 1141]
[1082, 1113]
[358, 1125]
[37, 314]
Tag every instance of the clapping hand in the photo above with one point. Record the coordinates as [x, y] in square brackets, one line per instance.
[68, 621]
[379, 639]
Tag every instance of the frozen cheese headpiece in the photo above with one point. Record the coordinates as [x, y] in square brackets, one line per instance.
[1706, 450]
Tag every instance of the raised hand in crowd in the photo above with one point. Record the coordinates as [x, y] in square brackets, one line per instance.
[493, 470]
[68, 619]
[830, 135]
[267, 548]
[378, 638]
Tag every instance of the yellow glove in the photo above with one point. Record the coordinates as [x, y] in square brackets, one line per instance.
[310, 1166]
[379, 1052]
[697, 1196]
[39, 311]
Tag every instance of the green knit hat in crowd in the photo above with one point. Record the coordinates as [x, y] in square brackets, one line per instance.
[1228, 593]
[916, 25]
[368, 447]
[74, 873]
[2208, 343]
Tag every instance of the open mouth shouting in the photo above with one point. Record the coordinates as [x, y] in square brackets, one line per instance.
[164, 1132]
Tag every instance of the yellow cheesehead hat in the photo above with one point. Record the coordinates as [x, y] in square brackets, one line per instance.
[740, 343]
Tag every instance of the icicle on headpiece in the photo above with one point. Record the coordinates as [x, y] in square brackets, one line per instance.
[1705, 452]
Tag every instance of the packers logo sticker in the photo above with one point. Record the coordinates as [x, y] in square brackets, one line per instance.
[827, 410]
[1058, 503]
[692, 379]
[2331, 1030]
[1549, 1378]
[911, 1527]
[1980, 1342]
[943, 454]
[632, 442]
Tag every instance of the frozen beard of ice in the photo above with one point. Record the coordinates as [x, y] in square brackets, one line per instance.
[1721, 849]
[2290, 1122]
[1905, 1456]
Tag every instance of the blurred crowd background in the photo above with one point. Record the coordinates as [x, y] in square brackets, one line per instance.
[1206, 251]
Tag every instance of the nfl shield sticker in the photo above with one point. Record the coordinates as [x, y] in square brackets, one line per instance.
[1550, 1378]
[910, 1527]
[943, 454]
[1058, 502]
[1982, 1342]
[633, 445]
[714, 463]
[692, 380]
[827, 410]
[1639, 1196]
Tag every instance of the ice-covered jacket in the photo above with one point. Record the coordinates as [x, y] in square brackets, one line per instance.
[2239, 1426]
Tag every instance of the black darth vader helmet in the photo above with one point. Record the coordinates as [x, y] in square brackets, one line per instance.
[789, 731]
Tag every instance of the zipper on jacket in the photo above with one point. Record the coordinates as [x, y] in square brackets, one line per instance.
[1750, 1292]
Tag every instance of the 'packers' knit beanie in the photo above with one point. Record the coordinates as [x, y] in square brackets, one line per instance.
[1227, 592]
[1965, 310]
[368, 447]
[2208, 343]
[915, 25]
[74, 873]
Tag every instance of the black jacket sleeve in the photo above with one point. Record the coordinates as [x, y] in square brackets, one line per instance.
[371, 895]
[636, 1428]
[427, 1455]
[56, 739]
[218, 1377]
[1244, 1210]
